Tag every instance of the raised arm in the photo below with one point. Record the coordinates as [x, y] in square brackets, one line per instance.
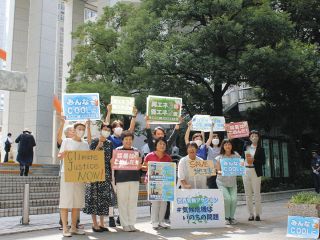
[187, 135]
[208, 143]
[108, 116]
[133, 119]
[89, 137]
[60, 130]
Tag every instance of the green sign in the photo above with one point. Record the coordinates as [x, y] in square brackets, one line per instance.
[163, 110]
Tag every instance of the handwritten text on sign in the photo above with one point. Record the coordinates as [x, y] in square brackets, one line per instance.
[84, 166]
[122, 105]
[232, 166]
[303, 227]
[201, 167]
[126, 160]
[237, 129]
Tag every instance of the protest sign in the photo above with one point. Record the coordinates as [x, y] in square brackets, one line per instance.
[198, 208]
[232, 166]
[84, 166]
[163, 110]
[81, 106]
[237, 129]
[161, 181]
[218, 122]
[126, 160]
[303, 227]
[201, 123]
[122, 105]
[201, 167]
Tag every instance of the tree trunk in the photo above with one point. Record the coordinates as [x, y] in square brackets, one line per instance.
[217, 102]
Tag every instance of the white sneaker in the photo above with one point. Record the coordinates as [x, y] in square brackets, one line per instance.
[163, 225]
[228, 221]
[233, 221]
[77, 232]
[133, 229]
[66, 234]
[155, 225]
[126, 228]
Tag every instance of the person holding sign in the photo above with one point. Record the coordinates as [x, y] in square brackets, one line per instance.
[158, 208]
[117, 126]
[100, 196]
[228, 184]
[187, 181]
[127, 183]
[255, 158]
[72, 194]
[198, 138]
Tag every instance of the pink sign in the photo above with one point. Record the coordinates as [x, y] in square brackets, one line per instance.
[237, 129]
[126, 160]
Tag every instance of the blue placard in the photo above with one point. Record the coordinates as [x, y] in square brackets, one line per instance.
[81, 106]
[232, 167]
[303, 227]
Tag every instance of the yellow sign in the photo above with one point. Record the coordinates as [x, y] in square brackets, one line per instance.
[201, 167]
[84, 166]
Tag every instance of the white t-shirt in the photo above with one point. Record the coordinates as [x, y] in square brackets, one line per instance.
[69, 144]
[196, 182]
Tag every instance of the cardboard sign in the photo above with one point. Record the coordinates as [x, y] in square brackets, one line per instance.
[161, 181]
[219, 123]
[163, 110]
[84, 166]
[232, 166]
[237, 129]
[198, 208]
[201, 123]
[201, 167]
[122, 105]
[81, 106]
[126, 160]
[303, 227]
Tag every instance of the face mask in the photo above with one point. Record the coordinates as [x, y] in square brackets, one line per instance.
[105, 133]
[80, 133]
[215, 141]
[118, 131]
[198, 142]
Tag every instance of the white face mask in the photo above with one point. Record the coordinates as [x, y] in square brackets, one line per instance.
[118, 131]
[105, 133]
[198, 142]
[215, 141]
[80, 133]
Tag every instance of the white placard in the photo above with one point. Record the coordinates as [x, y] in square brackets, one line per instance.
[122, 105]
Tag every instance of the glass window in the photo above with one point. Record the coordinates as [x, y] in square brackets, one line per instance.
[276, 158]
[285, 159]
[267, 167]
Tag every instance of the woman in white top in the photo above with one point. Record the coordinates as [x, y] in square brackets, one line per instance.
[72, 195]
[186, 181]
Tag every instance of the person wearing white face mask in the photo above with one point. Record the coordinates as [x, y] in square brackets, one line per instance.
[100, 196]
[255, 158]
[72, 195]
[213, 152]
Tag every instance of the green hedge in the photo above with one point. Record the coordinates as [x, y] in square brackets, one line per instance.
[306, 198]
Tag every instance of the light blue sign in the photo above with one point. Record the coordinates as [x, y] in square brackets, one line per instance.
[232, 166]
[161, 181]
[303, 227]
[81, 106]
[219, 122]
[201, 123]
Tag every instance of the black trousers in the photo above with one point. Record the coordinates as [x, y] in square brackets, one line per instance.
[211, 182]
[6, 157]
[316, 179]
[24, 170]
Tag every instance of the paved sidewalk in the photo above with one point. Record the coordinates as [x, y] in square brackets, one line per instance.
[272, 227]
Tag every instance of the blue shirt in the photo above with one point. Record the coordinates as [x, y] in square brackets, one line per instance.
[116, 141]
[202, 152]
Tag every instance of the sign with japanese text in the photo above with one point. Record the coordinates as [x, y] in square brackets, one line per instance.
[237, 129]
[81, 106]
[84, 166]
[201, 167]
[163, 110]
[122, 105]
[161, 181]
[198, 208]
[232, 166]
[201, 123]
[303, 227]
[218, 122]
[126, 160]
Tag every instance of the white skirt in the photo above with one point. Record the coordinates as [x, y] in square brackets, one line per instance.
[72, 195]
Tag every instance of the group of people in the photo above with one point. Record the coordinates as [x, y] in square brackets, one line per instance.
[121, 187]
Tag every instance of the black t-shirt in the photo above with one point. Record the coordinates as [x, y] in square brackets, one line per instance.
[126, 175]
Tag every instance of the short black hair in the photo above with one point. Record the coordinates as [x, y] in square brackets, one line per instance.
[192, 144]
[162, 139]
[159, 128]
[105, 125]
[127, 133]
[254, 132]
[222, 151]
[9, 134]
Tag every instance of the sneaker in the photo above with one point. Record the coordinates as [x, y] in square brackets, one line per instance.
[66, 234]
[104, 229]
[257, 218]
[155, 226]
[233, 221]
[118, 221]
[133, 229]
[163, 225]
[77, 232]
[251, 218]
[126, 228]
[112, 222]
[228, 221]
